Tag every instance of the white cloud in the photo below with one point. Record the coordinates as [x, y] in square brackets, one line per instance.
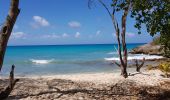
[53, 35]
[40, 22]
[65, 35]
[17, 35]
[98, 32]
[129, 34]
[74, 24]
[77, 35]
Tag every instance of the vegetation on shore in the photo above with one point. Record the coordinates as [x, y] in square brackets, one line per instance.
[165, 67]
[159, 40]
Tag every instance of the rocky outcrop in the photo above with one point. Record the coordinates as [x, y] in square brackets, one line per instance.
[148, 49]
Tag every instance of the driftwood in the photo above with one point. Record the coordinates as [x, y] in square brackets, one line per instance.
[7, 27]
[138, 67]
[5, 93]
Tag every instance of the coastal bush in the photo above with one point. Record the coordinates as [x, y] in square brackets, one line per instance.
[165, 41]
[156, 40]
[165, 67]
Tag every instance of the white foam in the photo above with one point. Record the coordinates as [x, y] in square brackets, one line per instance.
[112, 53]
[138, 57]
[41, 61]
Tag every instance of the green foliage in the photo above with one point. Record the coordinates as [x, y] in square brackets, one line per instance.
[120, 5]
[155, 14]
[156, 40]
[165, 67]
[165, 41]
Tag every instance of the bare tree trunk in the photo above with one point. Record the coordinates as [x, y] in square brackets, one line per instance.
[5, 33]
[122, 57]
[125, 55]
[4, 94]
[138, 67]
[7, 28]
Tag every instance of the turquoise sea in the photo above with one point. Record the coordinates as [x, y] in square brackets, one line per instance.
[61, 59]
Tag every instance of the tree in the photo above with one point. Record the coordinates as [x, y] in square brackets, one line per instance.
[5, 33]
[123, 6]
[155, 14]
[7, 27]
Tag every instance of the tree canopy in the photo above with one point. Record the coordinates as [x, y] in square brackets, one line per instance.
[155, 14]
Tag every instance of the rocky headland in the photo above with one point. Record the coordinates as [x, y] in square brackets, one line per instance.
[149, 48]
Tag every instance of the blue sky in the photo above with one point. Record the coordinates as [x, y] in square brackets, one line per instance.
[65, 22]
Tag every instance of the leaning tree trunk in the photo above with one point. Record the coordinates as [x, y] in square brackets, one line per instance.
[7, 28]
[5, 33]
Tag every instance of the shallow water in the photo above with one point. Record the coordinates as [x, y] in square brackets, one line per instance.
[61, 59]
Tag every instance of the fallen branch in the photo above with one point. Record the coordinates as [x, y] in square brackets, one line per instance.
[4, 94]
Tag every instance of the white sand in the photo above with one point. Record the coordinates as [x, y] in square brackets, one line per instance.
[152, 77]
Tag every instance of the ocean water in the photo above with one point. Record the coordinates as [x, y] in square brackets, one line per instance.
[61, 59]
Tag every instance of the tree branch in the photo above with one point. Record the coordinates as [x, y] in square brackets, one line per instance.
[116, 63]
[138, 67]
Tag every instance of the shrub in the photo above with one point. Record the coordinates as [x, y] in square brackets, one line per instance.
[165, 67]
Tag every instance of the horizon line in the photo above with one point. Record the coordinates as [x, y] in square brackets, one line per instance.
[69, 44]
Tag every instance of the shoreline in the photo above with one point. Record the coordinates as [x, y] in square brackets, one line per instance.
[151, 77]
[115, 69]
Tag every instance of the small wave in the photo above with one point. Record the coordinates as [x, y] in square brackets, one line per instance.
[110, 53]
[41, 61]
[138, 57]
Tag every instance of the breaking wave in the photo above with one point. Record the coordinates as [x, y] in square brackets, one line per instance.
[138, 57]
[41, 61]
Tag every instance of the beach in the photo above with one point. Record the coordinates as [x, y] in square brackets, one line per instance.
[152, 77]
[96, 86]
